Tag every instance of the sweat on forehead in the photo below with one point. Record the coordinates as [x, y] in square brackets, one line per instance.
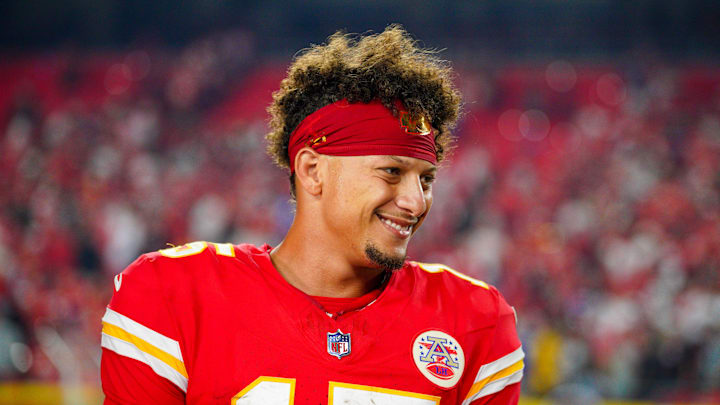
[359, 129]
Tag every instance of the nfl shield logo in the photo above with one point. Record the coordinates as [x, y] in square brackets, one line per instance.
[338, 344]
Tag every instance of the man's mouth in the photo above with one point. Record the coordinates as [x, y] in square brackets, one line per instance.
[401, 227]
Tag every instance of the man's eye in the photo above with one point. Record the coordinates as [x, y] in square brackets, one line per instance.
[428, 179]
[393, 171]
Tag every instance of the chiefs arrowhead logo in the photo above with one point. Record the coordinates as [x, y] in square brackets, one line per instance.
[419, 126]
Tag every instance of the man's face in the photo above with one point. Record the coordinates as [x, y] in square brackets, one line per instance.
[374, 204]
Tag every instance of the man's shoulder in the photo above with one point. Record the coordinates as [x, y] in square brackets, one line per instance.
[199, 257]
[185, 273]
[439, 271]
[475, 311]
[445, 279]
[197, 251]
[457, 290]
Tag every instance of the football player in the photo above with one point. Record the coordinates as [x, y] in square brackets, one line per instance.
[334, 314]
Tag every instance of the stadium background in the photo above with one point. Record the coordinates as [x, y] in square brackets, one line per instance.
[585, 184]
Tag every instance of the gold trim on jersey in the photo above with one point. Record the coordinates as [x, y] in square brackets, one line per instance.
[129, 338]
[397, 395]
[237, 399]
[439, 268]
[188, 249]
[496, 375]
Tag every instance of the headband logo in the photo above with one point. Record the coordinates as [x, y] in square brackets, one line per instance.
[314, 142]
[412, 126]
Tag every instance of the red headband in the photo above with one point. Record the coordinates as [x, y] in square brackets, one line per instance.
[359, 129]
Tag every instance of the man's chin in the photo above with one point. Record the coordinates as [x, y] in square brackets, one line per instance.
[384, 260]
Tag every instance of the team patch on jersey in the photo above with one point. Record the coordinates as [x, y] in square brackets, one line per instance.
[439, 357]
[338, 344]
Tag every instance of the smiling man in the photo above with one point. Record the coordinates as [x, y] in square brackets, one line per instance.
[334, 314]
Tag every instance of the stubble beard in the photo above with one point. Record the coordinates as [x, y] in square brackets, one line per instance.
[383, 260]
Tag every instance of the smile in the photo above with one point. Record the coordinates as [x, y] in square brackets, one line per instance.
[402, 231]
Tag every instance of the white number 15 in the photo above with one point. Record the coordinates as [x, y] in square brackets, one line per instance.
[281, 391]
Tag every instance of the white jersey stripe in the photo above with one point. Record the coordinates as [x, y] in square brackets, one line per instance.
[162, 342]
[496, 386]
[161, 368]
[500, 364]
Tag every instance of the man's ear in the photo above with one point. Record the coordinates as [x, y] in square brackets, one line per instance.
[307, 170]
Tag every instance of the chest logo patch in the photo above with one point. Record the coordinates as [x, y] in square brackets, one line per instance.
[439, 358]
[338, 344]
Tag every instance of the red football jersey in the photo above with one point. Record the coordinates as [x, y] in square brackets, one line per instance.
[208, 323]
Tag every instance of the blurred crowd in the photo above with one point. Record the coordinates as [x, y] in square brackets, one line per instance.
[587, 192]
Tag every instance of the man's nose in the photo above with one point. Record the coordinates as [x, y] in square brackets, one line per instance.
[411, 196]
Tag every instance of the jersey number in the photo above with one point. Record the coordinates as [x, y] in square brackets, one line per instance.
[281, 391]
[194, 248]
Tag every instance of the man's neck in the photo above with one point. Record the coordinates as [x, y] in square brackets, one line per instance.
[316, 267]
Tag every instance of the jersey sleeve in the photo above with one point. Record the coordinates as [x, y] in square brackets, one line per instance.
[142, 360]
[497, 379]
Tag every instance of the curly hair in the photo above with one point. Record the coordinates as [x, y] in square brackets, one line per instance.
[387, 66]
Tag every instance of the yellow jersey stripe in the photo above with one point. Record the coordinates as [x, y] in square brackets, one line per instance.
[117, 332]
[162, 342]
[438, 268]
[497, 376]
[160, 368]
[496, 386]
[500, 364]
